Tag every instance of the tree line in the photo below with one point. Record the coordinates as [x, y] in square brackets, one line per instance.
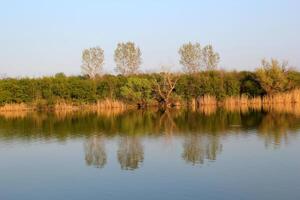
[127, 57]
[200, 77]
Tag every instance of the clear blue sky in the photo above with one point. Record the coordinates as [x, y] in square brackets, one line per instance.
[45, 37]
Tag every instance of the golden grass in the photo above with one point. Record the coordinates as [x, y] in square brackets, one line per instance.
[103, 104]
[288, 102]
[292, 97]
[283, 98]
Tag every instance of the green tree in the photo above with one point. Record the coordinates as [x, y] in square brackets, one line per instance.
[128, 58]
[249, 85]
[272, 76]
[210, 58]
[92, 61]
[190, 57]
[137, 90]
[231, 84]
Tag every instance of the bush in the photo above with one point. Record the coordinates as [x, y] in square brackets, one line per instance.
[137, 90]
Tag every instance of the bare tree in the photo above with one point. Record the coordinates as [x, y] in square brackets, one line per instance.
[164, 86]
[210, 58]
[92, 61]
[190, 57]
[128, 58]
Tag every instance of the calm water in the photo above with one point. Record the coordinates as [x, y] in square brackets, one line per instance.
[150, 155]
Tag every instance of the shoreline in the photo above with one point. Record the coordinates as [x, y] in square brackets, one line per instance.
[233, 105]
[286, 99]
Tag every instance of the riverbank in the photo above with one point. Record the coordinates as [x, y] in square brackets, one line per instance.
[65, 106]
[153, 89]
[288, 101]
[208, 88]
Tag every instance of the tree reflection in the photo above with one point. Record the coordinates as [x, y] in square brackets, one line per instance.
[95, 154]
[197, 149]
[273, 125]
[130, 153]
[166, 122]
[277, 127]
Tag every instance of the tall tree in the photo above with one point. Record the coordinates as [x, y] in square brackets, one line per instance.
[190, 57]
[210, 58]
[92, 61]
[128, 58]
[272, 76]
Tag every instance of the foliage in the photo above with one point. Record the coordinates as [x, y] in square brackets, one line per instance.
[272, 76]
[210, 58]
[190, 57]
[193, 58]
[92, 61]
[137, 90]
[145, 88]
[231, 84]
[250, 86]
[128, 58]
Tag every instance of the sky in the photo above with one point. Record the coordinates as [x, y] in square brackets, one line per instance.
[41, 38]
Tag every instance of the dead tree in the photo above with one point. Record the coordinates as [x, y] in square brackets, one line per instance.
[164, 86]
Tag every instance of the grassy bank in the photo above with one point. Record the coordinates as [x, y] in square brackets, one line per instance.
[207, 103]
[63, 106]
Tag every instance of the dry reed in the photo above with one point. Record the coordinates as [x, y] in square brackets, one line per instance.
[103, 104]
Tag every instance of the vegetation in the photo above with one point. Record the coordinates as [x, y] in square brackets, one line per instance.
[193, 58]
[190, 57]
[211, 59]
[202, 84]
[272, 76]
[92, 61]
[127, 58]
[141, 89]
[137, 90]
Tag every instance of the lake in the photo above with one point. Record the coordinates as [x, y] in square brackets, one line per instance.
[152, 154]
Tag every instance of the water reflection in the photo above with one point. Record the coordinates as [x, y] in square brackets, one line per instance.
[130, 152]
[95, 154]
[200, 132]
[276, 128]
[197, 149]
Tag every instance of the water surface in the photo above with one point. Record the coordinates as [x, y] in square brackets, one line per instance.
[176, 154]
